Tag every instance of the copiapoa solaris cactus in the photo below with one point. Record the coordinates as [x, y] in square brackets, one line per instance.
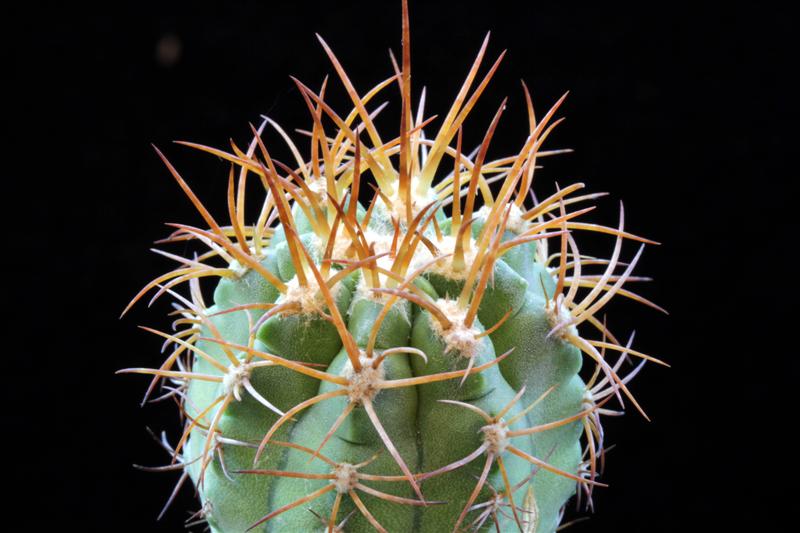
[433, 358]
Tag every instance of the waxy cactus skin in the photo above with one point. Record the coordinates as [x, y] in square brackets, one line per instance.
[433, 359]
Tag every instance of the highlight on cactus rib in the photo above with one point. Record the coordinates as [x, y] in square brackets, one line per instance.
[432, 358]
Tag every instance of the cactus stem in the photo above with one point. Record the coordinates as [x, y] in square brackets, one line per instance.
[314, 495]
[330, 523]
[345, 478]
[406, 283]
[376, 422]
[392, 497]
[347, 339]
[339, 420]
[497, 441]
[290, 413]
[426, 304]
[303, 368]
[284, 307]
[310, 210]
[243, 307]
[365, 512]
[399, 350]
[442, 376]
[255, 394]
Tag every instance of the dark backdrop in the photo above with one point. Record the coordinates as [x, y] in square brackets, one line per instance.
[680, 110]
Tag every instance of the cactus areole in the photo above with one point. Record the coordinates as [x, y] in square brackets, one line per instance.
[432, 358]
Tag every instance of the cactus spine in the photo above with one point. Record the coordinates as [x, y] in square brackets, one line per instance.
[407, 364]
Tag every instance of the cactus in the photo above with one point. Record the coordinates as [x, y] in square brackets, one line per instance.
[412, 362]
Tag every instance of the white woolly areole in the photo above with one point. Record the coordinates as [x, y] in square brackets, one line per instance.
[587, 402]
[341, 244]
[309, 298]
[515, 224]
[318, 186]
[344, 240]
[364, 384]
[540, 255]
[559, 317]
[458, 336]
[234, 378]
[496, 438]
[447, 245]
[239, 269]
[418, 201]
[346, 477]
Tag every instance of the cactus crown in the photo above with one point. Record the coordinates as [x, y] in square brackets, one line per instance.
[411, 364]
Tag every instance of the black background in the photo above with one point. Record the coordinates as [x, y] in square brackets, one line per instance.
[681, 111]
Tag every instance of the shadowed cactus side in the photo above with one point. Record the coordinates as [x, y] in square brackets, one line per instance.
[412, 363]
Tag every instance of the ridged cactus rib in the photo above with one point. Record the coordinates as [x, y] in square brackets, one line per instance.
[423, 361]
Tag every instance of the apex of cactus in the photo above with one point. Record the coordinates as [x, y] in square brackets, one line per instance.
[411, 363]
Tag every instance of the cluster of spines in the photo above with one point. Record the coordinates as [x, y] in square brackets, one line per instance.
[322, 194]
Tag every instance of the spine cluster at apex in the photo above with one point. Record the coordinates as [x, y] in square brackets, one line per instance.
[414, 362]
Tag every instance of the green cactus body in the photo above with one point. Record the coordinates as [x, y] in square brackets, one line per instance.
[418, 364]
